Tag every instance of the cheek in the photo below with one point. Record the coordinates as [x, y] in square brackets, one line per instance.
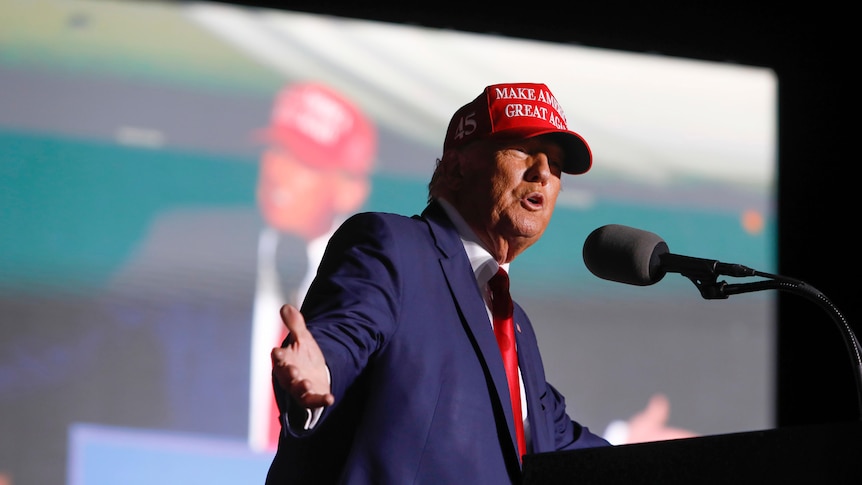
[553, 194]
[501, 183]
[275, 172]
[290, 191]
[301, 211]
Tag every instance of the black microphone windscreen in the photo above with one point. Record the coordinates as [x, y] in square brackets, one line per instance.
[624, 254]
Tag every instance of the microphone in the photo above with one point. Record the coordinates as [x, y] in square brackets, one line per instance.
[636, 257]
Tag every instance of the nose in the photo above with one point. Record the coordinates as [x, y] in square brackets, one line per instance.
[540, 168]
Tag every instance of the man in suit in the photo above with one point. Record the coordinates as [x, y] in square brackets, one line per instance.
[392, 373]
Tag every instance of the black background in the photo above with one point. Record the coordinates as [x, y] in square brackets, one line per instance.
[808, 46]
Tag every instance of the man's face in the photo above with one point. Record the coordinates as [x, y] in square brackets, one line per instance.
[294, 197]
[508, 191]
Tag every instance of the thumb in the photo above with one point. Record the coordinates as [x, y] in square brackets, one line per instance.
[293, 320]
[657, 410]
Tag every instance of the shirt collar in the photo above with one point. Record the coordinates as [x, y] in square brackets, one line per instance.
[484, 265]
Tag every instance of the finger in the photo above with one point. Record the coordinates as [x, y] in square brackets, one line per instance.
[282, 376]
[302, 391]
[280, 357]
[312, 400]
[277, 356]
[290, 378]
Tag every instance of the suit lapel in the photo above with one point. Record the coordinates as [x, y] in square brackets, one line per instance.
[528, 360]
[462, 284]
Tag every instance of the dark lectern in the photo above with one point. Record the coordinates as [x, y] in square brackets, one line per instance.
[822, 454]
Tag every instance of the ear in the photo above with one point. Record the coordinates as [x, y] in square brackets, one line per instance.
[452, 169]
[351, 193]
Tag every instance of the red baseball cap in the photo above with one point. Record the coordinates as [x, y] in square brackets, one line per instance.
[322, 128]
[518, 110]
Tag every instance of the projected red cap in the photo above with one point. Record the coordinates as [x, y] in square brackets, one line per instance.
[322, 128]
[519, 110]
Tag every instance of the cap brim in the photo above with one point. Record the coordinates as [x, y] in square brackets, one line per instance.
[579, 158]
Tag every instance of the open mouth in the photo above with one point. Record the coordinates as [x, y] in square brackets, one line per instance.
[534, 200]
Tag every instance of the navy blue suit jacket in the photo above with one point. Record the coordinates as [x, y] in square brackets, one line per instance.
[420, 388]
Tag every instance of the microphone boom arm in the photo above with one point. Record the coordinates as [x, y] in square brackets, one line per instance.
[706, 280]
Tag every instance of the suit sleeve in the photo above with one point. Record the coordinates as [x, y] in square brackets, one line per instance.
[554, 429]
[352, 305]
[569, 434]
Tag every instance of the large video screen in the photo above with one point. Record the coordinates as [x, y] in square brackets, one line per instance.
[133, 140]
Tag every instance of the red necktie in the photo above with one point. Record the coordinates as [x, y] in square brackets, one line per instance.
[504, 329]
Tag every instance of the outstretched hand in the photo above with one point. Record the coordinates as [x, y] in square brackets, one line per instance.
[299, 366]
[651, 423]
